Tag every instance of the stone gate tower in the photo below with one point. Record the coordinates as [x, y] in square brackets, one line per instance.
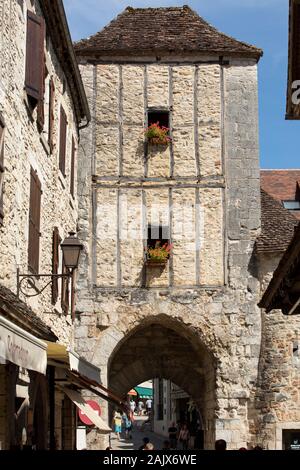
[193, 320]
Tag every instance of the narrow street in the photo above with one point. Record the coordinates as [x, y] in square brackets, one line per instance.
[140, 431]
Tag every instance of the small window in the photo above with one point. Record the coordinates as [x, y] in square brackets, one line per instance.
[292, 205]
[160, 117]
[158, 233]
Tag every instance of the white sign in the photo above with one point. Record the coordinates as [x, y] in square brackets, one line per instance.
[22, 348]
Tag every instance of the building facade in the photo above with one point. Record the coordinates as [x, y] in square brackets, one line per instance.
[194, 320]
[42, 105]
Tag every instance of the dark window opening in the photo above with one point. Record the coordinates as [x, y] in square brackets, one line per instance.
[158, 234]
[160, 117]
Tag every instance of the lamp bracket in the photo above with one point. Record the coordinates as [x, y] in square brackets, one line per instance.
[28, 281]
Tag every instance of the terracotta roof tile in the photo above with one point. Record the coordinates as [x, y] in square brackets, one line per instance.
[283, 185]
[278, 225]
[161, 29]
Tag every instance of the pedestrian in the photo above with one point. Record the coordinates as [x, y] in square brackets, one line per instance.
[117, 423]
[173, 432]
[220, 444]
[127, 425]
[146, 441]
[132, 405]
[149, 406]
[140, 407]
[149, 446]
[184, 437]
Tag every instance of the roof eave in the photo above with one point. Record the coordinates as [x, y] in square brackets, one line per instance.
[115, 51]
[54, 10]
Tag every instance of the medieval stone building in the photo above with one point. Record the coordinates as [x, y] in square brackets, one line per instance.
[195, 319]
[42, 105]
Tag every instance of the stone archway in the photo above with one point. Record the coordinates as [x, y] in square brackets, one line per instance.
[160, 349]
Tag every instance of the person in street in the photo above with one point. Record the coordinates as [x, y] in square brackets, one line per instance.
[117, 423]
[184, 437]
[149, 446]
[173, 432]
[132, 405]
[146, 441]
[220, 444]
[140, 407]
[127, 424]
[149, 406]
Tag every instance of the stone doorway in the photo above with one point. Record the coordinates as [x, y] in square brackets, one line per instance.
[172, 352]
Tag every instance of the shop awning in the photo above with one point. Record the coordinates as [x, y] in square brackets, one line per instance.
[144, 392]
[22, 348]
[132, 393]
[79, 372]
[60, 354]
[87, 410]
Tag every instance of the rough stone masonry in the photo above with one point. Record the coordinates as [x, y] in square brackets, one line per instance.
[204, 187]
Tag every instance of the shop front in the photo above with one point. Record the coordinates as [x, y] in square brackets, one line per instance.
[23, 388]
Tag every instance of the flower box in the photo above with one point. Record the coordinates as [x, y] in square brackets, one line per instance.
[156, 263]
[159, 255]
[157, 135]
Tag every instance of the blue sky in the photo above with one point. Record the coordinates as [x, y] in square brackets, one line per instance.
[263, 23]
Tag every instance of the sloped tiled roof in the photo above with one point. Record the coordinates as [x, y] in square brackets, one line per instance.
[278, 225]
[283, 185]
[20, 313]
[163, 29]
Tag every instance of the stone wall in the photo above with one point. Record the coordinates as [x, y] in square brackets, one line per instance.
[26, 147]
[277, 399]
[208, 178]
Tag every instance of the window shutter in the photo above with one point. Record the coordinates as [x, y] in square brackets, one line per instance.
[34, 75]
[55, 263]
[72, 176]
[1, 169]
[73, 295]
[34, 222]
[41, 102]
[62, 143]
[51, 113]
[65, 294]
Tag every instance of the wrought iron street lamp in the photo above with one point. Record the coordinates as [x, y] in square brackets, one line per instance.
[71, 249]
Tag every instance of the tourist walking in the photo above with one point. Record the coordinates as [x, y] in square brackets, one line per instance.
[149, 406]
[127, 425]
[184, 437]
[117, 423]
[140, 407]
[132, 406]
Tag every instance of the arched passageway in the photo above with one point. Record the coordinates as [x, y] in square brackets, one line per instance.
[158, 350]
